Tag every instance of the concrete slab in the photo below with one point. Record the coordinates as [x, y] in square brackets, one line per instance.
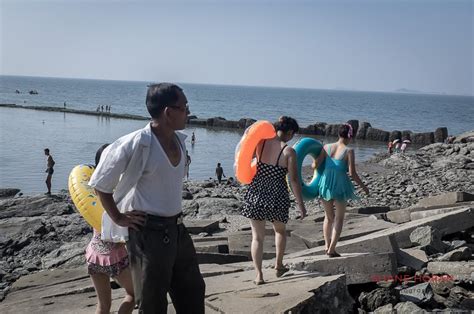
[210, 270]
[428, 213]
[413, 257]
[449, 198]
[353, 228]
[220, 258]
[300, 293]
[459, 270]
[358, 267]
[49, 277]
[369, 210]
[404, 215]
[202, 225]
[240, 243]
[218, 246]
[399, 235]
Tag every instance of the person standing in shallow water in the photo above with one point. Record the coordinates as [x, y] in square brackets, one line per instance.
[219, 172]
[139, 181]
[335, 187]
[49, 170]
[267, 197]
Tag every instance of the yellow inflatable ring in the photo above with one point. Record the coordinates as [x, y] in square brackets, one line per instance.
[84, 197]
[245, 165]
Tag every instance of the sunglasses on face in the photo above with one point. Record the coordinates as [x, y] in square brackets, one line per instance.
[181, 108]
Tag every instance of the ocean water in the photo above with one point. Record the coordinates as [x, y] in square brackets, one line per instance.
[73, 139]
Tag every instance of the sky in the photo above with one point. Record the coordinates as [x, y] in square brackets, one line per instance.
[359, 45]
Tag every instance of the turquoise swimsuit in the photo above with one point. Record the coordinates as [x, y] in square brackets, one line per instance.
[334, 183]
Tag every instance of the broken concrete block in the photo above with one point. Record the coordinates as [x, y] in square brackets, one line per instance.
[414, 215]
[217, 246]
[461, 254]
[418, 294]
[202, 225]
[235, 293]
[429, 240]
[458, 270]
[359, 267]
[386, 309]
[210, 270]
[220, 258]
[240, 244]
[413, 257]
[449, 198]
[408, 307]
[353, 228]
[370, 301]
[369, 210]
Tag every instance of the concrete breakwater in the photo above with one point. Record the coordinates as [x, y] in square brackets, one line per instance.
[362, 130]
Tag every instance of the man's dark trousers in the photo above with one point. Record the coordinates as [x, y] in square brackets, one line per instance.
[163, 259]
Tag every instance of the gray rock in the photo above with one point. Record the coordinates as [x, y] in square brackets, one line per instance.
[418, 294]
[374, 299]
[408, 307]
[440, 134]
[377, 135]
[429, 240]
[386, 309]
[8, 192]
[361, 133]
[461, 254]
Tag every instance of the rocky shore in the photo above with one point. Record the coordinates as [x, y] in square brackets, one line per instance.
[408, 207]
[362, 130]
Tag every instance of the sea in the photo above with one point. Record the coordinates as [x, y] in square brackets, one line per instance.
[73, 138]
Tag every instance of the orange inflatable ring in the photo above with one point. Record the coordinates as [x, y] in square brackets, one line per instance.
[245, 164]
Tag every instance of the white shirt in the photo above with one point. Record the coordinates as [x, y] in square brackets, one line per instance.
[120, 168]
[159, 189]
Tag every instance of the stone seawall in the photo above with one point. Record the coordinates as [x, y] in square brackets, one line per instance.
[362, 130]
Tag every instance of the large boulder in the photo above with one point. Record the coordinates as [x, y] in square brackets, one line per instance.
[369, 301]
[422, 138]
[395, 135]
[429, 239]
[320, 128]
[374, 134]
[362, 131]
[8, 192]
[246, 122]
[440, 135]
[333, 130]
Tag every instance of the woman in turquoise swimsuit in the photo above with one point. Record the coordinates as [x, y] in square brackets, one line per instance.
[335, 186]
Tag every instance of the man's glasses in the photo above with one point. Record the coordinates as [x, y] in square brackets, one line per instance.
[181, 108]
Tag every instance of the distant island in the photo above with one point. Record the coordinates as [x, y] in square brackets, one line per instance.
[410, 91]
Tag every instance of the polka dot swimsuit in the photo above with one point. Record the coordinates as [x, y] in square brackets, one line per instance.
[267, 197]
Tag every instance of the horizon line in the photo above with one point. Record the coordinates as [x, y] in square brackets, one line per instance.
[341, 89]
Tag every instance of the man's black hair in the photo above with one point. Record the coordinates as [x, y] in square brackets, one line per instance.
[161, 95]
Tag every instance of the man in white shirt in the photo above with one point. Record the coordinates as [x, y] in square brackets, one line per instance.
[139, 182]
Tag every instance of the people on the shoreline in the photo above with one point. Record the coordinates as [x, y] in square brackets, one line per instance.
[49, 170]
[102, 108]
[187, 165]
[139, 181]
[335, 187]
[268, 199]
[193, 139]
[397, 145]
[107, 260]
[64, 105]
[403, 147]
[390, 147]
[219, 172]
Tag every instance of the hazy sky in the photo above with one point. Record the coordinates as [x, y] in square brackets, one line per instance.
[365, 45]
